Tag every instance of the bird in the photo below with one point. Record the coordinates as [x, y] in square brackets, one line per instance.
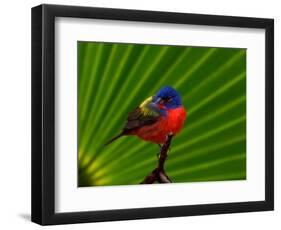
[155, 118]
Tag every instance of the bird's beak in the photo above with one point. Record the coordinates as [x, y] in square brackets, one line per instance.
[157, 100]
[158, 104]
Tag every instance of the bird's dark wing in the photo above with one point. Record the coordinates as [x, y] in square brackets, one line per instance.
[145, 114]
[138, 118]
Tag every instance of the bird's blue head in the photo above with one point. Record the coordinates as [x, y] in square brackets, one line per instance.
[167, 98]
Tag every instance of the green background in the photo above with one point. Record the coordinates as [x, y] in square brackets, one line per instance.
[115, 78]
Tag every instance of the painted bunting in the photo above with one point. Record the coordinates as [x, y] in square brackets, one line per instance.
[155, 118]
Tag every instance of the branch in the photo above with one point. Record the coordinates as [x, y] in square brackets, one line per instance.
[158, 174]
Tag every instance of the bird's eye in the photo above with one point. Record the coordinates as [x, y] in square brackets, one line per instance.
[164, 100]
[168, 99]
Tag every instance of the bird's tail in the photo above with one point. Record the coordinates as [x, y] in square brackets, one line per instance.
[113, 139]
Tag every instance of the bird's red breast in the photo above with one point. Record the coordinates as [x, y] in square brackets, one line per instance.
[158, 131]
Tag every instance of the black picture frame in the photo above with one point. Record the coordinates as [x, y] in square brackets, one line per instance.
[43, 114]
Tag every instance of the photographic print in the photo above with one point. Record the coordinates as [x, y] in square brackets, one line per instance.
[176, 109]
[150, 113]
